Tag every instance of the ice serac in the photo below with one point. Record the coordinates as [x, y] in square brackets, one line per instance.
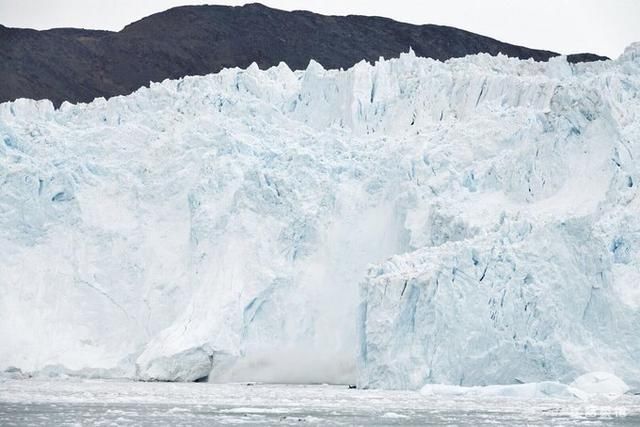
[527, 267]
[469, 222]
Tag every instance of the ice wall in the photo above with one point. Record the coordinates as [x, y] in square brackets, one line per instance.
[222, 224]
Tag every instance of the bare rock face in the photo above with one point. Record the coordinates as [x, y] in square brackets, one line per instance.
[79, 65]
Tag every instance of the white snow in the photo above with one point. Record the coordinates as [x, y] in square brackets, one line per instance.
[487, 207]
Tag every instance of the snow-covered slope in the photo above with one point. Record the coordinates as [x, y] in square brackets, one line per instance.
[226, 222]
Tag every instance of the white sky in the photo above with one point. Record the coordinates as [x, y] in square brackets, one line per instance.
[605, 27]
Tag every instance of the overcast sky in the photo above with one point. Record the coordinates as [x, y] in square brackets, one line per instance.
[605, 27]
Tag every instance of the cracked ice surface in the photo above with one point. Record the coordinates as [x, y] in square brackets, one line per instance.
[226, 221]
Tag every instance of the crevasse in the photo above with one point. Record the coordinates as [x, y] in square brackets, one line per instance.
[470, 222]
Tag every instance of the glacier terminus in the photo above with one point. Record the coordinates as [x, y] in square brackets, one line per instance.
[470, 222]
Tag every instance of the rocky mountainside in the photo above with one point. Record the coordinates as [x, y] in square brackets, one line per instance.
[79, 65]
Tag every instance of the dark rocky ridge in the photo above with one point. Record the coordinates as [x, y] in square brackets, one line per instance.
[78, 65]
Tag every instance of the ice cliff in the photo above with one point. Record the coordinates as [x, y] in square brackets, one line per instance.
[470, 222]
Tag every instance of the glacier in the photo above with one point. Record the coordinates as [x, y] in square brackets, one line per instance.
[471, 222]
